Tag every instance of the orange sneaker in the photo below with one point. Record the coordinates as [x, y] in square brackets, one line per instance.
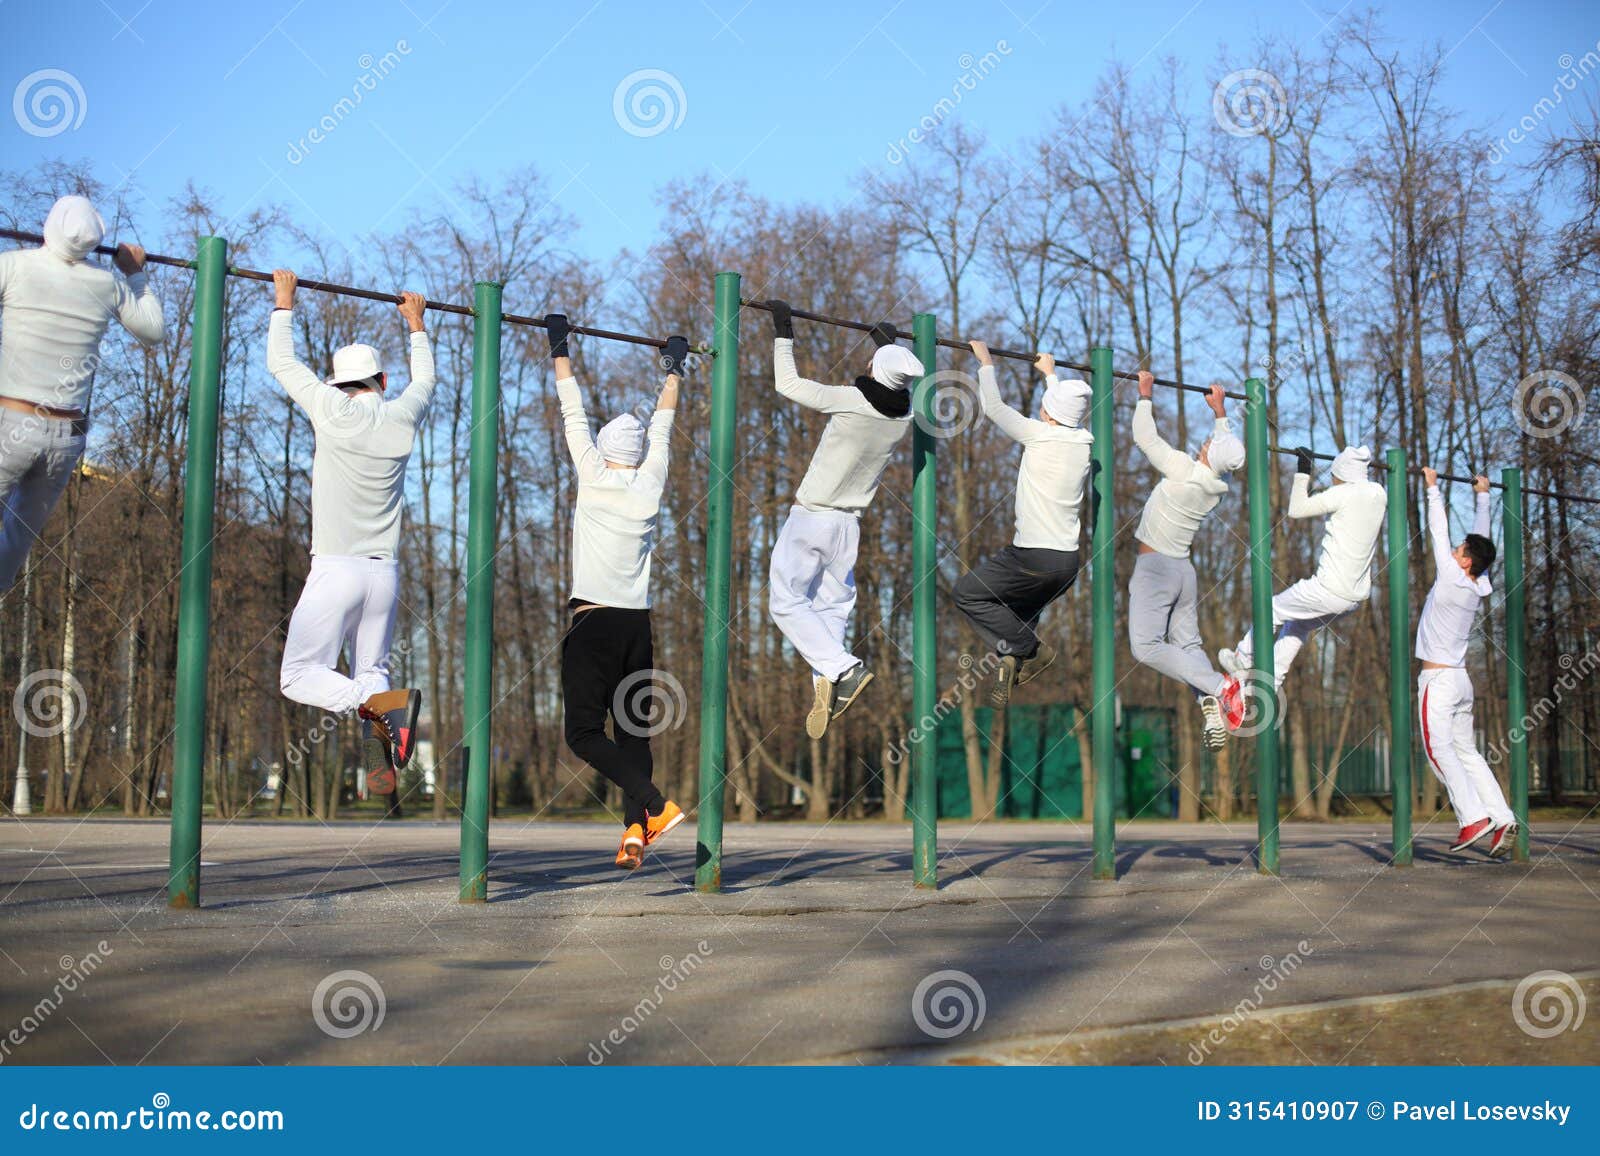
[656, 826]
[631, 853]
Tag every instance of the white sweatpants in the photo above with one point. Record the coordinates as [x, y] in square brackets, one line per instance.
[346, 601]
[812, 586]
[1297, 613]
[1445, 704]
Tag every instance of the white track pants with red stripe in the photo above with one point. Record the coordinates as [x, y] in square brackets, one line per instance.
[1446, 708]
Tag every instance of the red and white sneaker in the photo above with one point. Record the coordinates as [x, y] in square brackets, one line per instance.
[1233, 703]
[1467, 836]
[1505, 838]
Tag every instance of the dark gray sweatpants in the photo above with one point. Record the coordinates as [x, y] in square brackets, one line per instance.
[1004, 596]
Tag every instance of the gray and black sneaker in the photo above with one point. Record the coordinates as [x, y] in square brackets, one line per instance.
[842, 692]
[821, 707]
[1032, 668]
[1215, 733]
[1005, 680]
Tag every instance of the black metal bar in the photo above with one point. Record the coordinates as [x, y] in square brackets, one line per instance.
[1416, 471]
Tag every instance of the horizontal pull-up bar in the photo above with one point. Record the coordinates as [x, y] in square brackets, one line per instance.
[364, 294]
[1416, 471]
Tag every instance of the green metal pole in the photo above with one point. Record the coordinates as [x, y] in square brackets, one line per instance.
[1399, 657]
[194, 592]
[1516, 656]
[1261, 621]
[476, 733]
[1103, 568]
[719, 555]
[924, 610]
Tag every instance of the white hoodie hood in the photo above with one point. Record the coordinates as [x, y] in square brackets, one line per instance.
[73, 229]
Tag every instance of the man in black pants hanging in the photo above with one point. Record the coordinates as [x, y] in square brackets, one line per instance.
[607, 657]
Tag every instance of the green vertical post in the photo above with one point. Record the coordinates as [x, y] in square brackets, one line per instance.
[719, 561]
[1399, 658]
[1516, 656]
[1261, 632]
[476, 732]
[1103, 568]
[924, 610]
[194, 591]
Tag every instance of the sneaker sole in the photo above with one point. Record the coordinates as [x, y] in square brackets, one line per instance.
[821, 712]
[1506, 844]
[1214, 739]
[1004, 683]
[380, 780]
[633, 863]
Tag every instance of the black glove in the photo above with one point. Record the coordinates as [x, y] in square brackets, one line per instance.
[782, 318]
[557, 329]
[1304, 463]
[675, 354]
[882, 334]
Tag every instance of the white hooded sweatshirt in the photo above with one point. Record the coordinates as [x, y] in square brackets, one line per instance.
[1350, 538]
[55, 308]
[1055, 462]
[1452, 606]
[1186, 493]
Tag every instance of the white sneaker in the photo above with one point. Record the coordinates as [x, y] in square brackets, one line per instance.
[1215, 734]
[1229, 661]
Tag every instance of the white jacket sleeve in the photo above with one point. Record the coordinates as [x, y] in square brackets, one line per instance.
[658, 442]
[575, 422]
[1480, 521]
[414, 402]
[1304, 504]
[1439, 531]
[139, 309]
[1015, 425]
[1172, 463]
[321, 401]
[8, 261]
[812, 394]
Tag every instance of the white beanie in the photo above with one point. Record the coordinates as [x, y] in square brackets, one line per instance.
[1227, 451]
[1067, 401]
[896, 367]
[621, 440]
[1351, 464]
[73, 228]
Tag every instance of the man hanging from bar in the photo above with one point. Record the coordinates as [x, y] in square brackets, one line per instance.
[1445, 690]
[358, 473]
[607, 654]
[1355, 508]
[812, 577]
[55, 308]
[1163, 595]
[1005, 595]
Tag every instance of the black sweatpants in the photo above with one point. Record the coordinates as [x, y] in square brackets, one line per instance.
[1004, 596]
[606, 650]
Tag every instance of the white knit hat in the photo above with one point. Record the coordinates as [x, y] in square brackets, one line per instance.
[1067, 401]
[621, 440]
[354, 364]
[896, 367]
[73, 228]
[1351, 464]
[1227, 451]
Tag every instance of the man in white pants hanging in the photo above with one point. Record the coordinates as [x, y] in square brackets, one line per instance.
[1355, 507]
[363, 443]
[55, 308]
[1005, 595]
[1445, 691]
[1163, 595]
[812, 577]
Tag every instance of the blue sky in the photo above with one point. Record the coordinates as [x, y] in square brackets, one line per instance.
[796, 99]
